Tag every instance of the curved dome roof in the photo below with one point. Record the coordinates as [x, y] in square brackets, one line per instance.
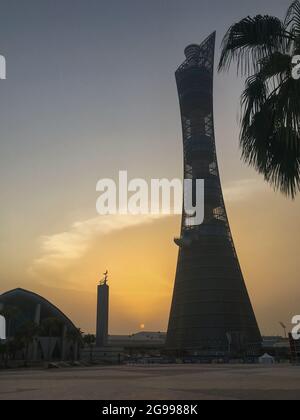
[27, 301]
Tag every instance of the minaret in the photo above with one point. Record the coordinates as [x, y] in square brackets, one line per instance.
[211, 311]
[102, 312]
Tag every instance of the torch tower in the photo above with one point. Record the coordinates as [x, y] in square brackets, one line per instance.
[211, 312]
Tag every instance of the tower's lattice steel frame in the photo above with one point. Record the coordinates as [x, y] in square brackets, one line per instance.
[211, 311]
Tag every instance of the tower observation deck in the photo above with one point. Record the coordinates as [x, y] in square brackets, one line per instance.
[211, 310]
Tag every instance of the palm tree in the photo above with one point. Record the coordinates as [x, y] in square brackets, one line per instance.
[74, 335]
[14, 346]
[50, 328]
[262, 47]
[3, 353]
[90, 340]
[26, 335]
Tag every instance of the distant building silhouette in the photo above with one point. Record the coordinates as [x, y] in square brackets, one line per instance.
[31, 307]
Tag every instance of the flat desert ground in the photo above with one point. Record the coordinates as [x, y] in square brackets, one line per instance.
[167, 382]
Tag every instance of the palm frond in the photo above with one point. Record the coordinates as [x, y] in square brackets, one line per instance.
[273, 149]
[251, 40]
[276, 64]
[283, 168]
[287, 111]
[253, 98]
[255, 137]
[262, 48]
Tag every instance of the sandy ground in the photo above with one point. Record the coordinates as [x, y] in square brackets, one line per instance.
[173, 382]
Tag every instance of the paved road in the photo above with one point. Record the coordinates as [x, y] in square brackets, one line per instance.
[177, 382]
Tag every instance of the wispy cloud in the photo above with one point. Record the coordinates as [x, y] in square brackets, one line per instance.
[61, 249]
[242, 189]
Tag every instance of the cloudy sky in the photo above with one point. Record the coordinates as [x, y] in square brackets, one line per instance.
[90, 90]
